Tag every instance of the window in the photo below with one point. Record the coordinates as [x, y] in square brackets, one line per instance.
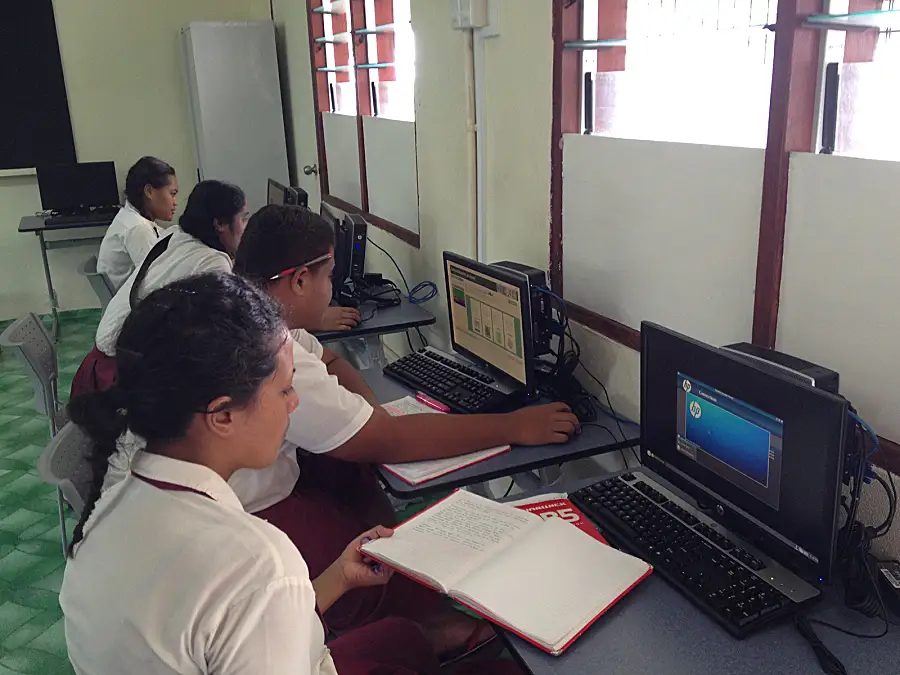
[388, 59]
[865, 73]
[696, 71]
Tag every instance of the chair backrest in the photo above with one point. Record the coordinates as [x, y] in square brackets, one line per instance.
[29, 340]
[99, 281]
[64, 463]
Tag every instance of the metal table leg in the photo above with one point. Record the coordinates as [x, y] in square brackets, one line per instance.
[54, 302]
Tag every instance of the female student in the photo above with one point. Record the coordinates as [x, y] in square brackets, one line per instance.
[150, 191]
[205, 240]
[327, 491]
[167, 573]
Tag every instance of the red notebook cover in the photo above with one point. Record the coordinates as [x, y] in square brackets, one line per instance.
[565, 509]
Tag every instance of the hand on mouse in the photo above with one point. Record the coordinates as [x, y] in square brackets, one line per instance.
[540, 424]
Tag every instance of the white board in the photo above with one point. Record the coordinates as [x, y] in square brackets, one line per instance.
[342, 155]
[841, 278]
[235, 99]
[391, 171]
[665, 232]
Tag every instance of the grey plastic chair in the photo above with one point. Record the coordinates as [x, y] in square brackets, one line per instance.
[99, 281]
[29, 341]
[64, 463]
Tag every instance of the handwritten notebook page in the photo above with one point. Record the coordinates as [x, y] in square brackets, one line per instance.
[453, 537]
[552, 583]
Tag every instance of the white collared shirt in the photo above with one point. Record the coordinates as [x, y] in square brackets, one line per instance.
[127, 241]
[169, 582]
[185, 257]
[327, 416]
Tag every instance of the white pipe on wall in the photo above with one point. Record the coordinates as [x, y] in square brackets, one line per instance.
[480, 126]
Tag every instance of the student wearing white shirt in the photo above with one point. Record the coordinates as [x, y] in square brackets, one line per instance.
[328, 489]
[151, 188]
[167, 573]
[205, 240]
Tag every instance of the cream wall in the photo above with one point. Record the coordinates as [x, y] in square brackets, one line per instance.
[127, 98]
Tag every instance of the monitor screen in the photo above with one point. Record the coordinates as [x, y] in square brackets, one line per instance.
[486, 316]
[275, 193]
[734, 439]
[762, 451]
[68, 188]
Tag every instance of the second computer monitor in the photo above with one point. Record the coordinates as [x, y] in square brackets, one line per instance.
[490, 316]
[70, 188]
[276, 193]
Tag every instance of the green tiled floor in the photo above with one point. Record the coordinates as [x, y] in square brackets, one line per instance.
[32, 641]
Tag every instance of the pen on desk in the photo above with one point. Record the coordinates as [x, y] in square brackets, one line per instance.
[431, 403]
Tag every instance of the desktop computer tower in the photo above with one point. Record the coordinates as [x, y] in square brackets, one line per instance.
[541, 304]
[349, 248]
[814, 375]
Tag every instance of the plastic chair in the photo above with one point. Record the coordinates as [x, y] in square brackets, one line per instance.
[99, 281]
[29, 341]
[65, 464]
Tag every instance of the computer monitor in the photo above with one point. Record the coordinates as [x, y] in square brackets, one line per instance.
[490, 317]
[276, 193]
[72, 188]
[762, 451]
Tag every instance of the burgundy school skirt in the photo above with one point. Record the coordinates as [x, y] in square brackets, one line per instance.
[96, 373]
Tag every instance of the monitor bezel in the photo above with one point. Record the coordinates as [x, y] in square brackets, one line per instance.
[512, 278]
[42, 170]
[738, 508]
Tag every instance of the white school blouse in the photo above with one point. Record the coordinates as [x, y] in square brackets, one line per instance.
[326, 417]
[169, 582]
[186, 256]
[126, 243]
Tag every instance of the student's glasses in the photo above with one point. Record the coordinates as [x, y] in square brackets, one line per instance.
[290, 271]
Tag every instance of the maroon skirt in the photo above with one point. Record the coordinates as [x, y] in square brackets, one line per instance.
[96, 373]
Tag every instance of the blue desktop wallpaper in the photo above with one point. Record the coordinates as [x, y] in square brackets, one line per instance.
[727, 437]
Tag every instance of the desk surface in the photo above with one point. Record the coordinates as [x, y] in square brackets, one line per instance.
[38, 224]
[593, 440]
[655, 629]
[386, 320]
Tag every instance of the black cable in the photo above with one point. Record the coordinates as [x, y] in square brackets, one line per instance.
[608, 400]
[371, 316]
[512, 482]
[829, 662]
[411, 294]
[891, 493]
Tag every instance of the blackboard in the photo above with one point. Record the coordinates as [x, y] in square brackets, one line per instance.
[35, 127]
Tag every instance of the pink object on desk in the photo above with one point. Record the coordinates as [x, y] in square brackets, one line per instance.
[431, 403]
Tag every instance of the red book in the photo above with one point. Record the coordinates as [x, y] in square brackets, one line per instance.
[530, 572]
[564, 510]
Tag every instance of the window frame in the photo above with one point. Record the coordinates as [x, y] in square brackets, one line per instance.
[359, 56]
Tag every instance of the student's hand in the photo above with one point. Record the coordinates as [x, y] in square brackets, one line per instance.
[356, 569]
[339, 318]
[540, 424]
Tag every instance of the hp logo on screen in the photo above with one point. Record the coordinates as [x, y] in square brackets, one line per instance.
[686, 385]
[695, 410]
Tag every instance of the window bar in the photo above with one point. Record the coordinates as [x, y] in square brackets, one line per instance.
[830, 109]
[331, 97]
[374, 90]
[588, 103]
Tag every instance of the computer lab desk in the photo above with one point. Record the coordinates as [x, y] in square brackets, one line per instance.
[655, 630]
[68, 235]
[376, 323]
[593, 440]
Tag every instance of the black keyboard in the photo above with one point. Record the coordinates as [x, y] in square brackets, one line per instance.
[711, 570]
[462, 389]
[93, 217]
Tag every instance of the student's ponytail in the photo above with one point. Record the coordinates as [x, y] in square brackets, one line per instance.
[102, 417]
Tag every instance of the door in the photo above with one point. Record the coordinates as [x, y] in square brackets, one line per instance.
[293, 50]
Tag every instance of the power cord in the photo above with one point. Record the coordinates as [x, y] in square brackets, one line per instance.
[415, 295]
[856, 564]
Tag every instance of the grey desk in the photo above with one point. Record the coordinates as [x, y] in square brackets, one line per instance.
[655, 629]
[593, 440]
[36, 225]
[382, 322]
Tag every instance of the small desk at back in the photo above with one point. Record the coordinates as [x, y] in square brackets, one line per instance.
[593, 440]
[70, 234]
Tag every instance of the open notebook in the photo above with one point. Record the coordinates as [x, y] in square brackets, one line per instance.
[415, 473]
[544, 580]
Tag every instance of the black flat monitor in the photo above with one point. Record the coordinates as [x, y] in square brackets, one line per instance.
[276, 193]
[490, 317]
[762, 452]
[75, 188]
